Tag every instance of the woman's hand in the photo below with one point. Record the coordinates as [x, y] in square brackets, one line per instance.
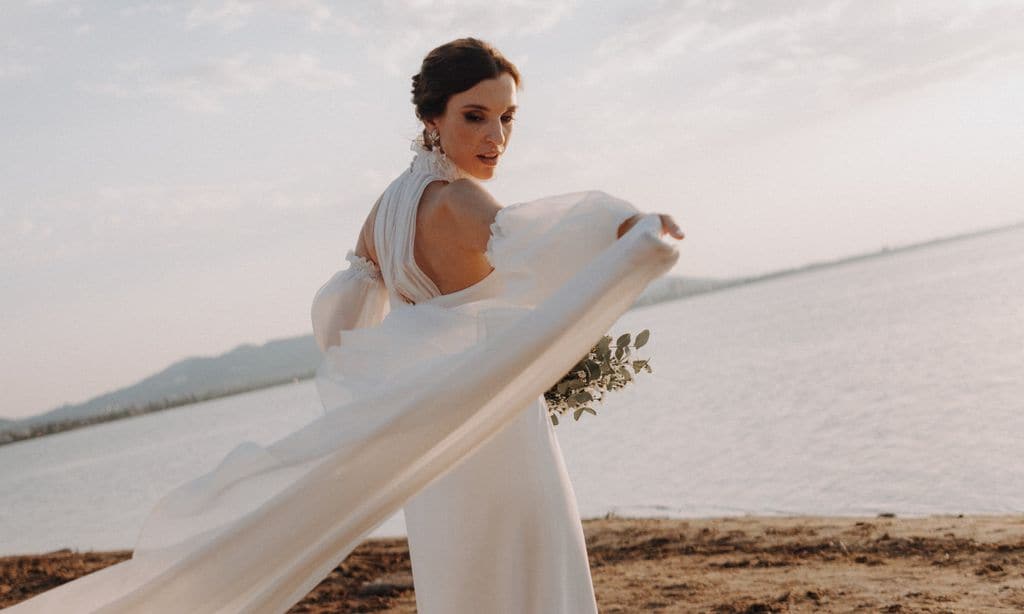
[668, 225]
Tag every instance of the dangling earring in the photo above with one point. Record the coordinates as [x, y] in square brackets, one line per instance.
[435, 141]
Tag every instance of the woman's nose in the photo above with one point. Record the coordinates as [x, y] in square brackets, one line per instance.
[496, 134]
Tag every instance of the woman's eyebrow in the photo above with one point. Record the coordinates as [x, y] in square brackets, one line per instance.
[483, 108]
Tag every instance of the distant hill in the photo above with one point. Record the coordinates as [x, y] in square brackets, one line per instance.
[672, 287]
[252, 366]
[245, 367]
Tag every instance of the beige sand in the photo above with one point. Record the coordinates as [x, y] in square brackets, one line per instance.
[744, 564]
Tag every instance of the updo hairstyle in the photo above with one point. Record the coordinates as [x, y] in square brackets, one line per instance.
[452, 68]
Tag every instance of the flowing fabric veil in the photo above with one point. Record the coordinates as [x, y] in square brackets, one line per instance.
[265, 526]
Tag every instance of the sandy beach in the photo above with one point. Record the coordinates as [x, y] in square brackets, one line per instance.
[726, 565]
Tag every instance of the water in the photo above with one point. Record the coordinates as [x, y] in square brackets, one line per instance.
[894, 384]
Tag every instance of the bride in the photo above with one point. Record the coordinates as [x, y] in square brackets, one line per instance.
[453, 317]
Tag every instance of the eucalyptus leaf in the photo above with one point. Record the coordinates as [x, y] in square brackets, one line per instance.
[596, 373]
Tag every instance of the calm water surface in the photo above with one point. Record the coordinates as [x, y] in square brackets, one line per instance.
[894, 384]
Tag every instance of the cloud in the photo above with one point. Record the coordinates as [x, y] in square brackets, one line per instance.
[227, 14]
[231, 15]
[11, 68]
[26, 227]
[144, 8]
[511, 17]
[709, 72]
[394, 34]
[205, 87]
[837, 45]
[109, 215]
[70, 11]
[397, 35]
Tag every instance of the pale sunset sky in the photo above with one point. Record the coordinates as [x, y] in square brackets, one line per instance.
[177, 178]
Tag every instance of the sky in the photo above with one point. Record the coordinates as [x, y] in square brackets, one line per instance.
[178, 178]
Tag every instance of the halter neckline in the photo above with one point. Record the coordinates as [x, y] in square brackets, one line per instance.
[431, 161]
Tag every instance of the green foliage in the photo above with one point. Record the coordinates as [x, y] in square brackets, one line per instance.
[604, 368]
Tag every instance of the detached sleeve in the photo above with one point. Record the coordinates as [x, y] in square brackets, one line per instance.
[355, 297]
[539, 244]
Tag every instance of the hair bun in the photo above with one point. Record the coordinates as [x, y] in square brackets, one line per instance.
[455, 67]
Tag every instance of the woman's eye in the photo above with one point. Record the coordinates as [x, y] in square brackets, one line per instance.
[473, 117]
[507, 118]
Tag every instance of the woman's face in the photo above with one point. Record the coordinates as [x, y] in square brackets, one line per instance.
[477, 124]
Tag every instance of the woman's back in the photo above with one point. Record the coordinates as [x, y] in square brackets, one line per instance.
[452, 228]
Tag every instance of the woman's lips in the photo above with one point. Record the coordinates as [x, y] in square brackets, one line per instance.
[489, 161]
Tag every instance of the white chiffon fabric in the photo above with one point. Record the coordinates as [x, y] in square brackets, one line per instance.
[353, 297]
[435, 404]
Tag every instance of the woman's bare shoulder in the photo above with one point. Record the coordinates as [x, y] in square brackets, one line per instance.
[469, 193]
[469, 209]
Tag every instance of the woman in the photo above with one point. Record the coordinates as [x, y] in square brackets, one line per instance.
[454, 316]
[501, 532]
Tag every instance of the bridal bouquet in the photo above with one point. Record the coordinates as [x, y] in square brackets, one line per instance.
[601, 370]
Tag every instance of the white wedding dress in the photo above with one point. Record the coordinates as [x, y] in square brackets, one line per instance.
[432, 401]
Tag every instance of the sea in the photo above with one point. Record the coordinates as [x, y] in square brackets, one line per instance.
[892, 384]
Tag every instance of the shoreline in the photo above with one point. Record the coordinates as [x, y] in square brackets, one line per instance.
[11, 431]
[938, 563]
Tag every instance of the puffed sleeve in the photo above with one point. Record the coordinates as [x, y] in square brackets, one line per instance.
[538, 245]
[355, 297]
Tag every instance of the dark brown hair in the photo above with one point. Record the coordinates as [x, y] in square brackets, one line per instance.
[452, 68]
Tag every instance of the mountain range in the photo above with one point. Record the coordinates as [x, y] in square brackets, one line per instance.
[253, 366]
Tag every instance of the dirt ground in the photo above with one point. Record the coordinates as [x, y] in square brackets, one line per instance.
[725, 565]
